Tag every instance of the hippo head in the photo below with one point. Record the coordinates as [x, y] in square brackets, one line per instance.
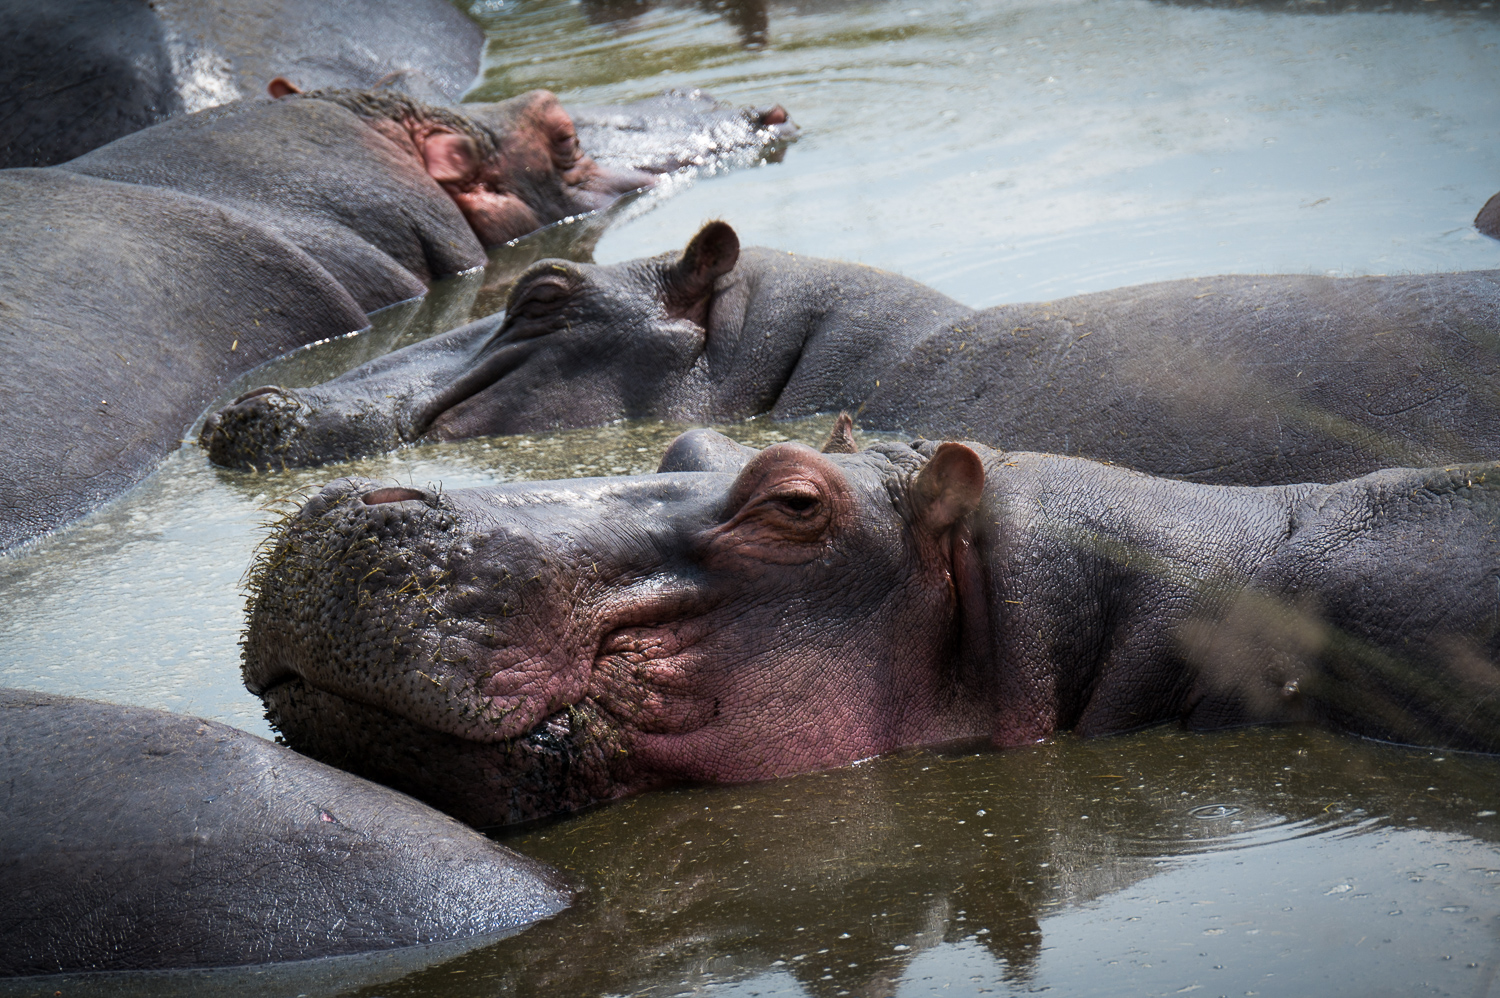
[578, 345]
[514, 651]
[1488, 219]
[510, 167]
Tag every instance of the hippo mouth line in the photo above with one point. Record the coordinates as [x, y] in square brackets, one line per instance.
[497, 359]
[628, 647]
[547, 731]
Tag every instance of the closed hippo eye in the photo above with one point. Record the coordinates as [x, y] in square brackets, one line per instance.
[565, 148]
[541, 298]
[800, 503]
[533, 308]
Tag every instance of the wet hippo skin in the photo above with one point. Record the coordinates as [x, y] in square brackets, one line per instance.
[510, 652]
[138, 280]
[1231, 379]
[79, 73]
[1488, 219]
[137, 839]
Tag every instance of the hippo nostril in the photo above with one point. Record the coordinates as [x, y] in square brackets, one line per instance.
[394, 494]
[773, 116]
[257, 392]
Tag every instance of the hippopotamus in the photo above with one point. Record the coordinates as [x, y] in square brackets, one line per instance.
[1236, 380]
[139, 279]
[141, 840]
[519, 650]
[1488, 219]
[77, 74]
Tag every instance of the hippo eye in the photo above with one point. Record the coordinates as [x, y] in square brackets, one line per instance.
[799, 504]
[565, 149]
[539, 300]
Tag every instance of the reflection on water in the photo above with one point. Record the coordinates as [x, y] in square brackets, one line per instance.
[1085, 868]
[1270, 862]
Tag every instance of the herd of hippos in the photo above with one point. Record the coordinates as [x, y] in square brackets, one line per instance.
[1219, 501]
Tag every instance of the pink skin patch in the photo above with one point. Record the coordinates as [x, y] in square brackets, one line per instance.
[527, 684]
[544, 142]
[695, 699]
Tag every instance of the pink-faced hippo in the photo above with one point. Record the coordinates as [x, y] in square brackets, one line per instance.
[76, 74]
[137, 280]
[1240, 380]
[510, 652]
[140, 840]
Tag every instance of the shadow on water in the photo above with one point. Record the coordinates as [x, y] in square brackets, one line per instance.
[749, 18]
[952, 872]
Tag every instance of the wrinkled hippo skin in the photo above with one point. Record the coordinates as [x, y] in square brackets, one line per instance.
[509, 652]
[1245, 380]
[138, 280]
[79, 73]
[1488, 219]
[137, 839]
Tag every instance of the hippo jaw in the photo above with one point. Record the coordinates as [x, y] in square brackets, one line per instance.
[577, 641]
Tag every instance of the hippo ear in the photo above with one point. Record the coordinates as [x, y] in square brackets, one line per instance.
[841, 437]
[948, 488]
[712, 253]
[282, 87]
[450, 158]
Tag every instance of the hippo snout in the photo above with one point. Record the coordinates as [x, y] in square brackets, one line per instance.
[250, 432]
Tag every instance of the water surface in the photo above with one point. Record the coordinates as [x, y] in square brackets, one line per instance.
[1001, 151]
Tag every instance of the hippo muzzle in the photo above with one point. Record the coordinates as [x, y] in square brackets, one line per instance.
[444, 642]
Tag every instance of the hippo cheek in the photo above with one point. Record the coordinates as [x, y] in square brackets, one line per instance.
[524, 690]
[653, 681]
[692, 709]
[496, 217]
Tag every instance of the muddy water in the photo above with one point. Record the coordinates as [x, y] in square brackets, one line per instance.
[1002, 152]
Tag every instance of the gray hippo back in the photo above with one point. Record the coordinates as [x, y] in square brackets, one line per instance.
[136, 839]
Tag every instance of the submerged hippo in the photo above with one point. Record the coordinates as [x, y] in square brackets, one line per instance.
[79, 73]
[509, 652]
[1247, 380]
[138, 840]
[1488, 219]
[138, 280]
